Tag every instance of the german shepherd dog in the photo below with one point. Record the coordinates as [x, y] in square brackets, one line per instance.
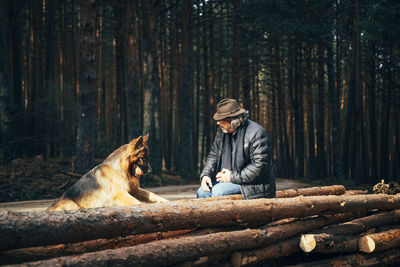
[115, 182]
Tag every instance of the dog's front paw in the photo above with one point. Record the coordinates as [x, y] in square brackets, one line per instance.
[162, 200]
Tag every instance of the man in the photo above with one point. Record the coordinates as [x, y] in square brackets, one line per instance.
[240, 160]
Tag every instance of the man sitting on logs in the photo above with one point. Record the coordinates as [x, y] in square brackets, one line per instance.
[240, 160]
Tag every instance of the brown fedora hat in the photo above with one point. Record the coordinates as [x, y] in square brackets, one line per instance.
[226, 108]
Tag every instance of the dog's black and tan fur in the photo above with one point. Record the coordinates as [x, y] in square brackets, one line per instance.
[115, 182]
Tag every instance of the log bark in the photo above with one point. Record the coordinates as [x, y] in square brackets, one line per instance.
[328, 243]
[339, 238]
[308, 191]
[355, 192]
[189, 248]
[26, 229]
[45, 252]
[379, 241]
[384, 258]
[280, 249]
[210, 260]
[312, 191]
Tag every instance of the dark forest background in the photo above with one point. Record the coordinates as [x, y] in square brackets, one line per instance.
[80, 78]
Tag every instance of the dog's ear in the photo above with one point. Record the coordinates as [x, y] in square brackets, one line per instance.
[145, 138]
[136, 143]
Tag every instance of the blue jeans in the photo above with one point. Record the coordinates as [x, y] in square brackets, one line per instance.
[219, 189]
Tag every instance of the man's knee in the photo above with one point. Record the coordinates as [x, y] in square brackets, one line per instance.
[202, 194]
[224, 189]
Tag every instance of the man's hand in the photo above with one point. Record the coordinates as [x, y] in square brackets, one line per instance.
[206, 183]
[224, 176]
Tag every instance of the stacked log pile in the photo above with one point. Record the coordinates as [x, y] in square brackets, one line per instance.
[310, 226]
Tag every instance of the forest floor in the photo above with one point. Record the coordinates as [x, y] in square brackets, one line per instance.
[33, 184]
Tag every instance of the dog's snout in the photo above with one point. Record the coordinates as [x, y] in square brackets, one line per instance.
[146, 168]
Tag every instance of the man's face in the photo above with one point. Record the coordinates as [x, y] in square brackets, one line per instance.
[225, 125]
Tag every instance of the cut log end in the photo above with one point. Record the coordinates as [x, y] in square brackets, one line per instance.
[366, 244]
[239, 259]
[236, 259]
[307, 243]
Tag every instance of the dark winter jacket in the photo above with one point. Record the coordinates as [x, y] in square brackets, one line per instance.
[256, 177]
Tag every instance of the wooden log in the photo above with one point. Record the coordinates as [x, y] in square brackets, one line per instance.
[389, 257]
[45, 228]
[312, 191]
[328, 243]
[355, 192]
[362, 224]
[177, 250]
[379, 241]
[339, 238]
[308, 191]
[275, 251]
[210, 260]
[44, 252]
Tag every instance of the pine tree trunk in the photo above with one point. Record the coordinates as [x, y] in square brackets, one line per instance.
[372, 116]
[321, 153]
[151, 97]
[119, 12]
[310, 172]
[17, 107]
[357, 138]
[206, 95]
[334, 104]
[85, 140]
[5, 90]
[174, 91]
[233, 91]
[134, 93]
[49, 90]
[186, 97]
[299, 112]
